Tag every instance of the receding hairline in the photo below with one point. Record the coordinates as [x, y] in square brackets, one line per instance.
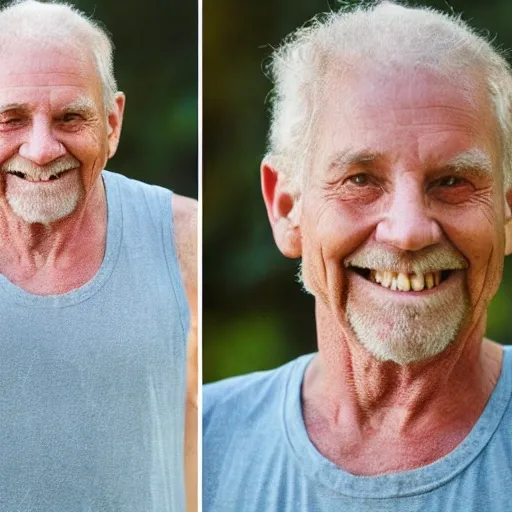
[63, 26]
[307, 54]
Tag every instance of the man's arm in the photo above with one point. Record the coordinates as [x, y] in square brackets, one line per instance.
[184, 211]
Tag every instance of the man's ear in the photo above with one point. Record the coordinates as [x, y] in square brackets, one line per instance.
[282, 210]
[115, 122]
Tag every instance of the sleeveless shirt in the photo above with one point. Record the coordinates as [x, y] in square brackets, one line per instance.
[92, 382]
[257, 456]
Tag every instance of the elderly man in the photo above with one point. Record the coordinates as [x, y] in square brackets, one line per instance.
[389, 174]
[96, 271]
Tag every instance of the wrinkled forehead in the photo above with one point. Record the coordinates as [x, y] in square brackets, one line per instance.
[408, 86]
[390, 112]
[26, 67]
[29, 55]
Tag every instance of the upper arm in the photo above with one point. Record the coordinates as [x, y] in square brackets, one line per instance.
[185, 212]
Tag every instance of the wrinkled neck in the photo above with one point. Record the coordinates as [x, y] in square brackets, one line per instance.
[349, 384]
[36, 245]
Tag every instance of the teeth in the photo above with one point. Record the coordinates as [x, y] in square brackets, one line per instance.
[429, 280]
[403, 283]
[417, 282]
[386, 279]
[33, 179]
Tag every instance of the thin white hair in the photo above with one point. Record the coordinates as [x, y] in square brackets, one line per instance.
[56, 23]
[382, 35]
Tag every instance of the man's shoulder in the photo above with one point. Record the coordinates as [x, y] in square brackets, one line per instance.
[185, 220]
[248, 396]
[127, 184]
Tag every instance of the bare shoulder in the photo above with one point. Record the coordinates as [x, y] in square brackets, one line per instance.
[184, 213]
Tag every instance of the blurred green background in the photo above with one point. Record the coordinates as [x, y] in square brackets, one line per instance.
[255, 315]
[155, 64]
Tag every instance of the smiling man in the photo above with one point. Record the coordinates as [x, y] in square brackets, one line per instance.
[388, 173]
[95, 274]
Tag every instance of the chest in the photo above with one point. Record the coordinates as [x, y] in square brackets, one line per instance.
[276, 482]
[88, 391]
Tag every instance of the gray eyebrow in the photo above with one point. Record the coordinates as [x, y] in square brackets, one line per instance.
[13, 106]
[350, 157]
[83, 104]
[474, 159]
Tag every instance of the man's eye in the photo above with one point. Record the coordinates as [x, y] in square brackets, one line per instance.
[450, 181]
[360, 179]
[12, 121]
[68, 118]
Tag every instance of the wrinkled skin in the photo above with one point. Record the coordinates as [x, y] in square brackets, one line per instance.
[402, 195]
[51, 108]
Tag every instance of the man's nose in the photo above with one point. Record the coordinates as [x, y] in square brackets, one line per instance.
[40, 145]
[408, 224]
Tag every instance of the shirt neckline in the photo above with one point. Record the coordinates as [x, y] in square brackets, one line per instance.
[404, 483]
[10, 291]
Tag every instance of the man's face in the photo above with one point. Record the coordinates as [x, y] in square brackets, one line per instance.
[402, 211]
[53, 131]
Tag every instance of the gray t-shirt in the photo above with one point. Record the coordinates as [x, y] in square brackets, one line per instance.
[92, 382]
[257, 456]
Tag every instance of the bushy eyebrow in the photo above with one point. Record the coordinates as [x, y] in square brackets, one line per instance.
[349, 156]
[13, 106]
[474, 159]
[82, 105]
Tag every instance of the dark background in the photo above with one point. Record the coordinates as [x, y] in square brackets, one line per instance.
[155, 64]
[255, 315]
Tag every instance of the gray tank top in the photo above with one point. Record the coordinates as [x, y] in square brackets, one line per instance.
[92, 382]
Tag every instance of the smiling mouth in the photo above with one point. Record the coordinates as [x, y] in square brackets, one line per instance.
[51, 177]
[404, 282]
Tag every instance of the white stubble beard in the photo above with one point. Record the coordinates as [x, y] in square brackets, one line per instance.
[407, 334]
[39, 203]
[44, 206]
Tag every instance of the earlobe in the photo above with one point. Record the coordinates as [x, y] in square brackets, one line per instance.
[282, 205]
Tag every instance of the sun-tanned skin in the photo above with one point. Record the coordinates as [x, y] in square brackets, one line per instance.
[185, 220]
[367, 415]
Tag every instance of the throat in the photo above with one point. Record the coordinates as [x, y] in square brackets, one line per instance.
[369, 451]
[51, 279]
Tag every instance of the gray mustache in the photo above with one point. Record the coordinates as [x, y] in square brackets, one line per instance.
[21, 165]
[440, 258]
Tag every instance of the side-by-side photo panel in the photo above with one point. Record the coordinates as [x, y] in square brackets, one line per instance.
[98, 256]
[357, 218]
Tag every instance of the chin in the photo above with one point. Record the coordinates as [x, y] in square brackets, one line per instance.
[44, 210]
[407, 335]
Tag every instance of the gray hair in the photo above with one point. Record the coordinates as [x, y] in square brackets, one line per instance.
[45, 23]
[389, 36]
